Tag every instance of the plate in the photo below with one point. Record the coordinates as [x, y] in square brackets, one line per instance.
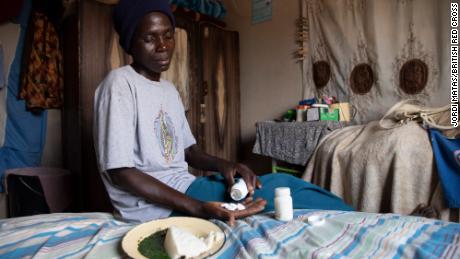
[198, 227]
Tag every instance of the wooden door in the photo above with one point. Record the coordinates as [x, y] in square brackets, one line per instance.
[86, 51]
[221, 94]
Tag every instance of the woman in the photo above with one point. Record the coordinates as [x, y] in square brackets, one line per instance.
[144, 144]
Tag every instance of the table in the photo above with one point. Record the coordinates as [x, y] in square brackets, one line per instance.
[54, 186]
[292, 142]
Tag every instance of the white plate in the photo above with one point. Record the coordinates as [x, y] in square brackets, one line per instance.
[196, 226]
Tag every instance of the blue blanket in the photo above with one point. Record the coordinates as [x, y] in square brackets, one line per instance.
[447, 155]
[304, 194]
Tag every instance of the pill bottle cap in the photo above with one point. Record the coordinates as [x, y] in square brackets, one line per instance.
[282, 191]
[236, 194]
[318, 105]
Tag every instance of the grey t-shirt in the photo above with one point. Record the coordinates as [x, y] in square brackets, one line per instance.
[140, 123]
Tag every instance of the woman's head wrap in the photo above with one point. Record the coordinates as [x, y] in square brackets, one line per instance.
[128, 13]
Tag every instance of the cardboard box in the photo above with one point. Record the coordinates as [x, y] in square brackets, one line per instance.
[312, 114]
[344, 110]
[326, 114]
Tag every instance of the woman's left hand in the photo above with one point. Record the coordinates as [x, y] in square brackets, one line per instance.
[230, 170]
[215, 210]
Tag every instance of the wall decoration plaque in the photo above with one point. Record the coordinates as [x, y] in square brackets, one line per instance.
[361, 78]
[413, 76]
[321, 73]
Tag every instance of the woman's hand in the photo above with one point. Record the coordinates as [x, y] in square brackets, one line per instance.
[215, 210]
[229, 170]
[200, 160]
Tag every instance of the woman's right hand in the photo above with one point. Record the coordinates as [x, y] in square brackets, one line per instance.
[215, 210]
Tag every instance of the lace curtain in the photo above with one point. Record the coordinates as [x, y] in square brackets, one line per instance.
[375, 53]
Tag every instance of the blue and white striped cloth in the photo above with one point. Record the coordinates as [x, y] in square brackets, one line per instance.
[62, 235]
[343, 235]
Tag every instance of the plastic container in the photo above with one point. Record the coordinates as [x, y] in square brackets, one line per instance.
[326, 114]
[239, 190]
[289, 115]
[283, 204]
[300, 113]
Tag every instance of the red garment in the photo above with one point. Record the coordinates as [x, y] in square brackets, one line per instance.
[42, 80]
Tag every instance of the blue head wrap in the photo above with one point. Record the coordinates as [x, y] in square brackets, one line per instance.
[128, 13]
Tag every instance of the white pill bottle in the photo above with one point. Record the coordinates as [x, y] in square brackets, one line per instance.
[283, 204]
[239, 190]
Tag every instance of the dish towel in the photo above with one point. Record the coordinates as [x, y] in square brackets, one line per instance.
[447, 155]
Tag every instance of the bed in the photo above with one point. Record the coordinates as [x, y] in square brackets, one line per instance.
[387, 166]
[343, 234]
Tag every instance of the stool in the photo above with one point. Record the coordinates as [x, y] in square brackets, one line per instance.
[38, 190]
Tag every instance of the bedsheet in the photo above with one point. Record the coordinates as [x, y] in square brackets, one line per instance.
[343, 235]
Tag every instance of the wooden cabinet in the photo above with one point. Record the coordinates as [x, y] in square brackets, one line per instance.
[87, 36]
[213, 114]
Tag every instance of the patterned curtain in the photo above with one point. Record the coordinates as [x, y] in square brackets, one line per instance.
[375, 53]
[179, 67]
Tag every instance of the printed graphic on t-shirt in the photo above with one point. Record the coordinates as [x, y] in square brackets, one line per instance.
[165, 133]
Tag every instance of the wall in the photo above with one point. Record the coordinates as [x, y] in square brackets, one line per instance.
[270, 78]
[52, 155]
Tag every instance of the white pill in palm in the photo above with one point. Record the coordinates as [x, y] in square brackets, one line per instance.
[233, 206]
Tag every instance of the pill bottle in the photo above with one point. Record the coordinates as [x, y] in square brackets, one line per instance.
[299, 113]
[239, 190]
[283, 204]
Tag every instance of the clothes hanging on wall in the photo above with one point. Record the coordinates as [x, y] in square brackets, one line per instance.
[42, 74]
[9, 44]
[213, 8]
[22, 147]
